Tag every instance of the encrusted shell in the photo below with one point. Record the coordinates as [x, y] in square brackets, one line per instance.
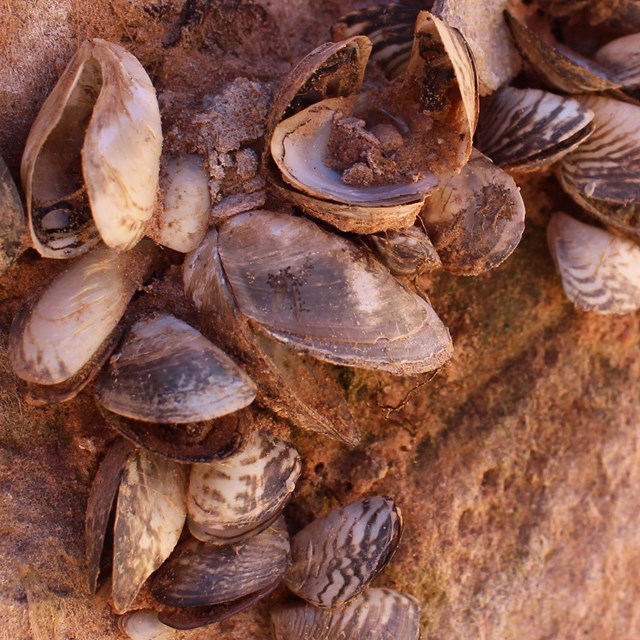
[167, 372]
[528, 129]
[336, 557]
[59, 339]
[477, 219]
[94, 149]
[12, 223]
[229, 500]
[600, 271]
[207, 583]
[376, 614]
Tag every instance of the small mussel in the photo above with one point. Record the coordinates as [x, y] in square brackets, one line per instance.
[232, 499]
[376, 614]
[148, 494]
[335, 557]
[202, 583]
[61, 338]
[143, 624]
[12, 225]
[600, 271]
[365, 157]
[92, 159]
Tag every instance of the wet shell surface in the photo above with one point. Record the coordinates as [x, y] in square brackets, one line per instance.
[12, 224]
[376, 614]
[231, 499]
[600, 271]
[337, 556]
[528, 129]
[320, 294]
[204, 581]
[60, 338]
[167, 372]
[93, 150]
[477, 219]
[602, 173]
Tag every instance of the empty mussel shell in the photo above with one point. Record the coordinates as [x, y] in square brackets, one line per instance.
[93, 150]
[335, 557]
[477, 219]
[291, 386]
[365, 161]
[144, 625]
[602, 174]
[558, 66]
[168, 372]
[324, 296]
[231, 499]
[600, 271]
[529, 129]
[376, 614]
[405, 253]
[12, 223]
[207, 583]
[59, 339]
[182, 222]
[150, 514]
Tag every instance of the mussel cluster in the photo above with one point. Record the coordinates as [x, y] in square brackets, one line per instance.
[372, 136]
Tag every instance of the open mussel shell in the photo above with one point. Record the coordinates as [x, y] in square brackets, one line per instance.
[207, 583]
[558, 66]
[293, 387]
[184, 216]
[150, 514]
[324, 296]
[405, 253]
[337, 160]
[600, 271]
[390, 29]
[376, 614]
[602, 173]
[529, 129]
[335, 557]
[143, 624]
[59, 339]
[93, 150]
[477, 219]
[167, 372]
[12, 222]
[231, 499]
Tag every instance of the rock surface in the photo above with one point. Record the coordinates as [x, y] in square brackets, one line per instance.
[516, 467]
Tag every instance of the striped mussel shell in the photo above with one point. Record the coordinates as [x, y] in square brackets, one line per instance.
[147, 493]
[622, 59]
[602, 174]
[600, 271]
[165, 371]
[331, 152]
[202, 583]
[12, 224]
[405, 253]
[61, 338]
[336, 557]
[92, 158]
[530, 129]
[376, 614]
[235, 498]
[476, 220]
[557, 65]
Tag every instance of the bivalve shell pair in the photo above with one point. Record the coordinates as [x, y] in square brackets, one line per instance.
[92, 159]
[365, 159]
